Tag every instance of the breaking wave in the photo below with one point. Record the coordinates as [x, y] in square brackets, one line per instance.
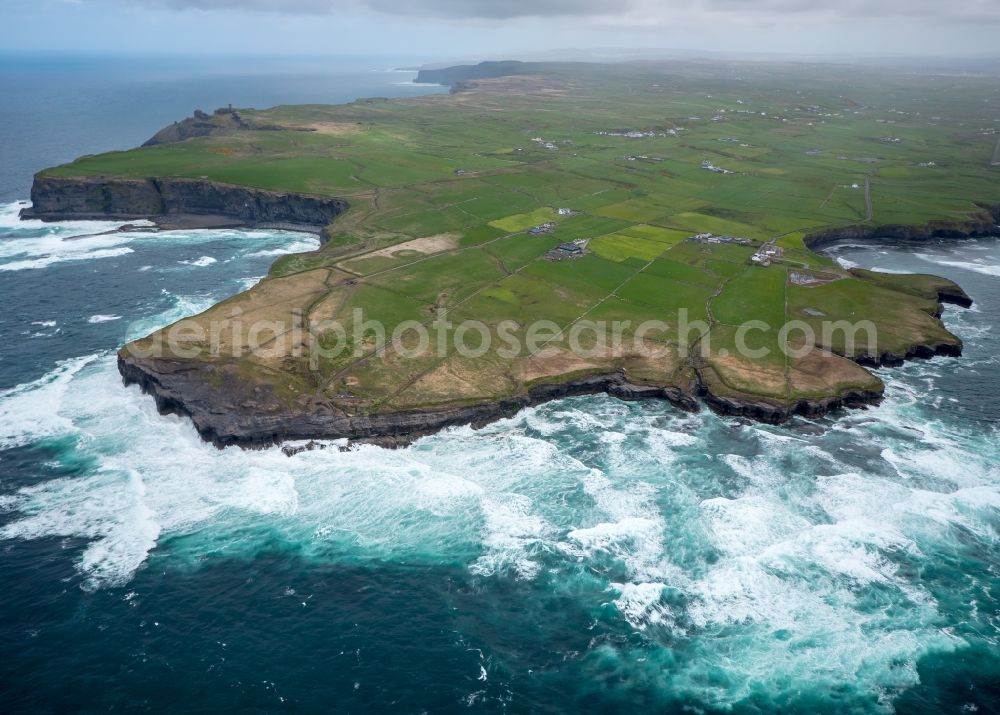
[976, 266]
[296, 247]
[748, 558]
[32, 245]
[767, 549]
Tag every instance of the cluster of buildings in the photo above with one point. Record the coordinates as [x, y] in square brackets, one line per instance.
[570, 249]
[767, 253]
[709, 166]
[542, 229]
[712, 238]
[548, 227]
[641, 157]
[890, 140]
[635, 134]
[743, 111]
[551, 146]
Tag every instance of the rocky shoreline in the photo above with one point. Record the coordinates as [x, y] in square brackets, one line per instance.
[250, 417]
[983, 223]
[179, 388]
[254, 420]
[175, 203]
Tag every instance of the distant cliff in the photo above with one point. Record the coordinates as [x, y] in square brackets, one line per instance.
[452, 76]
[982, 223]
[60, 199]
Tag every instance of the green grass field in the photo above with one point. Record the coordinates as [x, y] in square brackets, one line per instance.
[460, 179]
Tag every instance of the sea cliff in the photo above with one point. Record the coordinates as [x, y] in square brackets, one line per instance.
[981, 223]
[464, 73]
[231, 412]
[96, 198]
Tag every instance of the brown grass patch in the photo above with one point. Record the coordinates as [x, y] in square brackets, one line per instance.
[753, 377]
[821, 372]
[427, 245]
[338, 129]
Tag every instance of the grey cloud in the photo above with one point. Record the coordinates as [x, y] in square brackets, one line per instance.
[641, 11]
[494, 8]
[453, 9]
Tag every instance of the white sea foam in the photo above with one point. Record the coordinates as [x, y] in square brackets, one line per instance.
[73, 255]
[182, 306]
[33, 411]
[202, 262]
[35, 244]
[108, 508]
[641, 604]
[783, 562]
[510, 531]
[511, 505]
[248, 283]
[103, 318]
[11, 223]
[976, 266]
[302, 246]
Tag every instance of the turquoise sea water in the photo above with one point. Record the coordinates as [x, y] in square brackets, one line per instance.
[586, 555]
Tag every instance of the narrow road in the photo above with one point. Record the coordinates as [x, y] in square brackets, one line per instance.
[828, 196]
[868, 199]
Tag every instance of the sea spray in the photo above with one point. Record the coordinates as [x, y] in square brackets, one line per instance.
[612, 548]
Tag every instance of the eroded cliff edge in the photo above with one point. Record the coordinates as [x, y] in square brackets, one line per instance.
[228, 409]
[984, 222]
[165, 199]
[229, 412]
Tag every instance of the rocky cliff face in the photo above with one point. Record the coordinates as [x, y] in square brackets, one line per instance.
[60, 199]
[228, 411]
[983, 223]
[465, 73]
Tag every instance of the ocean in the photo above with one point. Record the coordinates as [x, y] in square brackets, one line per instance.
[587, 555]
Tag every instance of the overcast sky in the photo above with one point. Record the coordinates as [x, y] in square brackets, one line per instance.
[429, 30]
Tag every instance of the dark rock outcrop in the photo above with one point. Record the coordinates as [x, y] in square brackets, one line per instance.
[223, 121]
[771, 413]
[231, 412]
[917, 352]
[89, 198]
[955, 296]
[982, 223]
